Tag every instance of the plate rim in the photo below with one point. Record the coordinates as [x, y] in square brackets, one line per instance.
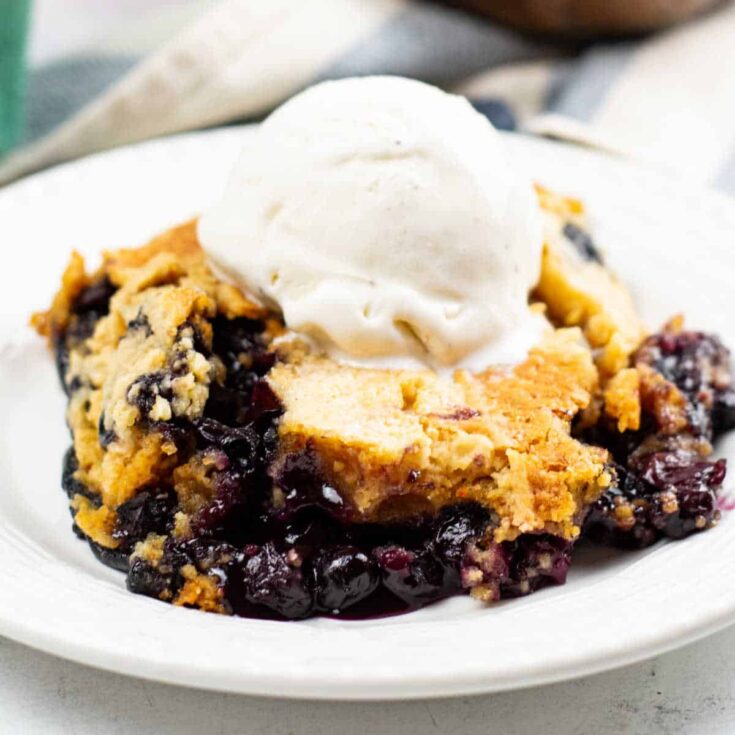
[357, 690]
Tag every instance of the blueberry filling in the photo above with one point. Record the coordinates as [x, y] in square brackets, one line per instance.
[699, 365]
[145, 390]
[150, 511]
[662, 485]
[106, 436]
[89, 307]
[140, 323]
[240, 345]
[292, 576]
[69, 484]
[302, 482]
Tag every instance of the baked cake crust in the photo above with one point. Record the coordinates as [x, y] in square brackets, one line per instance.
[401, 442]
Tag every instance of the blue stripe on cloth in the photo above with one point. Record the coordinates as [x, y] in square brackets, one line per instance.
[581, 89]
[434, 44]
[499, 112]
[60, 89]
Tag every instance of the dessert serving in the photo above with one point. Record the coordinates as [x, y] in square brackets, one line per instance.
[383, 369]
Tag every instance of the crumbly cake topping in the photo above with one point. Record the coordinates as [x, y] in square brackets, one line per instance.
[146, 362]
[392, 440]
[579, 291]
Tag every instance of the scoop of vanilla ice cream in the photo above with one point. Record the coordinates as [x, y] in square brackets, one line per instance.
[387, 221]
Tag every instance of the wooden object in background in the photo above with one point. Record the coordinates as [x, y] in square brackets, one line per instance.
[586, 18]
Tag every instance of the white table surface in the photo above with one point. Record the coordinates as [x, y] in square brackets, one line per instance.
[689, 691]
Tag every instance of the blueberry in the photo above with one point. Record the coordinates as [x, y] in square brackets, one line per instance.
[240, 345]
[696, 511]
[143, 579]
[177, 431]
[723, 411]
[80, 327]
[680, 471]
[343, 576]
[115, 558]
[69, 483]
[240, 443]
[263, 401]
[311, 529]
[145, 389]
[150, 511]
[96, 297]
[89, 307]
[206, 554]
[270, 580]
[416, 578]
[106, 436]
[61, 352]
[454, 527]
[229, 503]
[140, 323]
[303, 483]
[536, 561]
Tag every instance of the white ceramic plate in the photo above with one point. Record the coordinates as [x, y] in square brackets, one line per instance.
[672, 244]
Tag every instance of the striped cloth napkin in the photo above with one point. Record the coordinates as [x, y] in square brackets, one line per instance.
[107, 72]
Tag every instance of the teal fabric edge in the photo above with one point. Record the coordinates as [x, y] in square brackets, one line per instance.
[15, 15]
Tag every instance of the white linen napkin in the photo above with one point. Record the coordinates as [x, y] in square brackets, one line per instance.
[668, 100]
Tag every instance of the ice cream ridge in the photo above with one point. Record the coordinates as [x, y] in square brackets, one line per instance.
[362, 211]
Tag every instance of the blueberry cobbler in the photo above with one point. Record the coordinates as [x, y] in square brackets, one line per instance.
[223, 461]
